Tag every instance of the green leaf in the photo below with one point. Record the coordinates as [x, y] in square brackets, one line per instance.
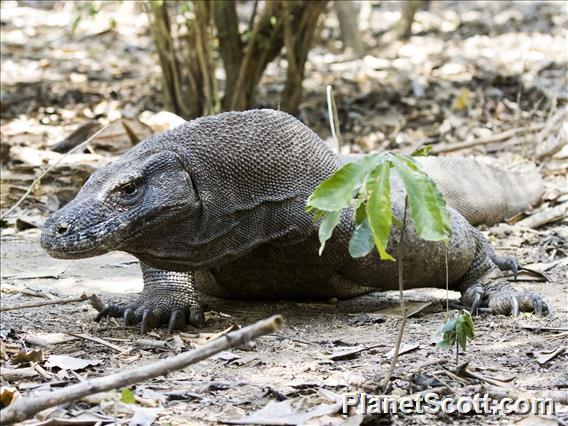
[337, 191]
[427, 205]
[329, 222]
[446, 342]
[422, 152]
[468, 325]
[127, 396]
[318, 214]
[460, 332]
[360, 211]
[464, 329]
[379, 211]
[396, 222]
[361, 242]
[449, 326]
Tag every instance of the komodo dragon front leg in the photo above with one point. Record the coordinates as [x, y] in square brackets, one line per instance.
[168, 297]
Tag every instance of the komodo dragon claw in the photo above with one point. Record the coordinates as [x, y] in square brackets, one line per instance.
[153, 316]
[502, 299]
[507, 264]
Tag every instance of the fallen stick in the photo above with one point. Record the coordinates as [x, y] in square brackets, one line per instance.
[515, 343]
[44, 303]
[25, 408]
[507, 134]
[98, 340]
[554, 136]
[556, 395]
[545, 216]
[539, 328]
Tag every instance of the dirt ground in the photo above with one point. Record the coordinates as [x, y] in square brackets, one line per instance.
[505, 63]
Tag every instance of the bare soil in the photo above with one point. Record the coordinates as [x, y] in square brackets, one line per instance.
[508, 56]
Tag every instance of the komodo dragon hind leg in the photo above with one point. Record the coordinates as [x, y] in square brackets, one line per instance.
[168, 297]
[480, 288]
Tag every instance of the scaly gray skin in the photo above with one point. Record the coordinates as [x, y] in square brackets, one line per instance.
[217, 205]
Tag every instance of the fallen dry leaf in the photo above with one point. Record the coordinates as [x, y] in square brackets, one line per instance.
[404, 348]
[544, 356]
[28, 356]
[284, 413]
[8, 394]
[70, 363]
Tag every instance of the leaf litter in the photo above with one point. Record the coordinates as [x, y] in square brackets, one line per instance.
[486, 76]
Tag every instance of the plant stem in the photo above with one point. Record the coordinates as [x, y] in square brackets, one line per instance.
[398, 342]
[457, 352]
[447, 281]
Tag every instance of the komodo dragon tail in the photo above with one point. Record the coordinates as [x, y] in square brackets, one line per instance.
[483, 193]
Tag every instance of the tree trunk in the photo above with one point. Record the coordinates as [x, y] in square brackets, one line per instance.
[266, 41]
[298, 41]
[230, 45]
[403, 28]
[187, 60]
[348, 17]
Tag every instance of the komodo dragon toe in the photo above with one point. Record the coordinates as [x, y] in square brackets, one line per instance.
[151, 311]
[501, 298]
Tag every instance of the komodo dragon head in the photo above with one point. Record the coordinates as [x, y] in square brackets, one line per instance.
[199, 195]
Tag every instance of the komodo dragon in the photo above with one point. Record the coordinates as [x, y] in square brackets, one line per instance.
[217, 205]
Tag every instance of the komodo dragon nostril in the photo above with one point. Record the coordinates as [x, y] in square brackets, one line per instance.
[62, 229]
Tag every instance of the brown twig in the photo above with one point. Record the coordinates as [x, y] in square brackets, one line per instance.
[25, 408]
[515, 343]
[556, 395]
[539, 328]
[333, 118]
[253, 16]
[421, 366]
[545, 216]
[507, 134]
[98, 340]
[387, 377]
[44, 303]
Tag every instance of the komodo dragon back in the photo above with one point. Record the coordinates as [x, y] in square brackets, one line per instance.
[482, 193]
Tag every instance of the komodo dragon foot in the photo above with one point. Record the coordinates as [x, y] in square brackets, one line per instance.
[501, 298]
[167, 298]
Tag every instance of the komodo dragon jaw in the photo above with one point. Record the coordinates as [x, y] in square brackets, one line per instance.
[116, 205]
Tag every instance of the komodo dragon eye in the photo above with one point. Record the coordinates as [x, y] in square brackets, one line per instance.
[128, 189]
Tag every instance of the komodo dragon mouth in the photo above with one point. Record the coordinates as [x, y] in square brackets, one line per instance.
[62, 239]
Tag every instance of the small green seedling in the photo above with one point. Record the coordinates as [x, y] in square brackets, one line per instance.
[127, 396]
[457, 331]
[366, 184]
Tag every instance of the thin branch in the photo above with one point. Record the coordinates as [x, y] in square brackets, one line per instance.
[447, 278]
[95, 339]
[559, 396]
[82, 298]
[25, 408]
[507, 134]
[388, 376]
[200, 33]
[253, 16]
[46, 171]
[249, 56]
[333, 118]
